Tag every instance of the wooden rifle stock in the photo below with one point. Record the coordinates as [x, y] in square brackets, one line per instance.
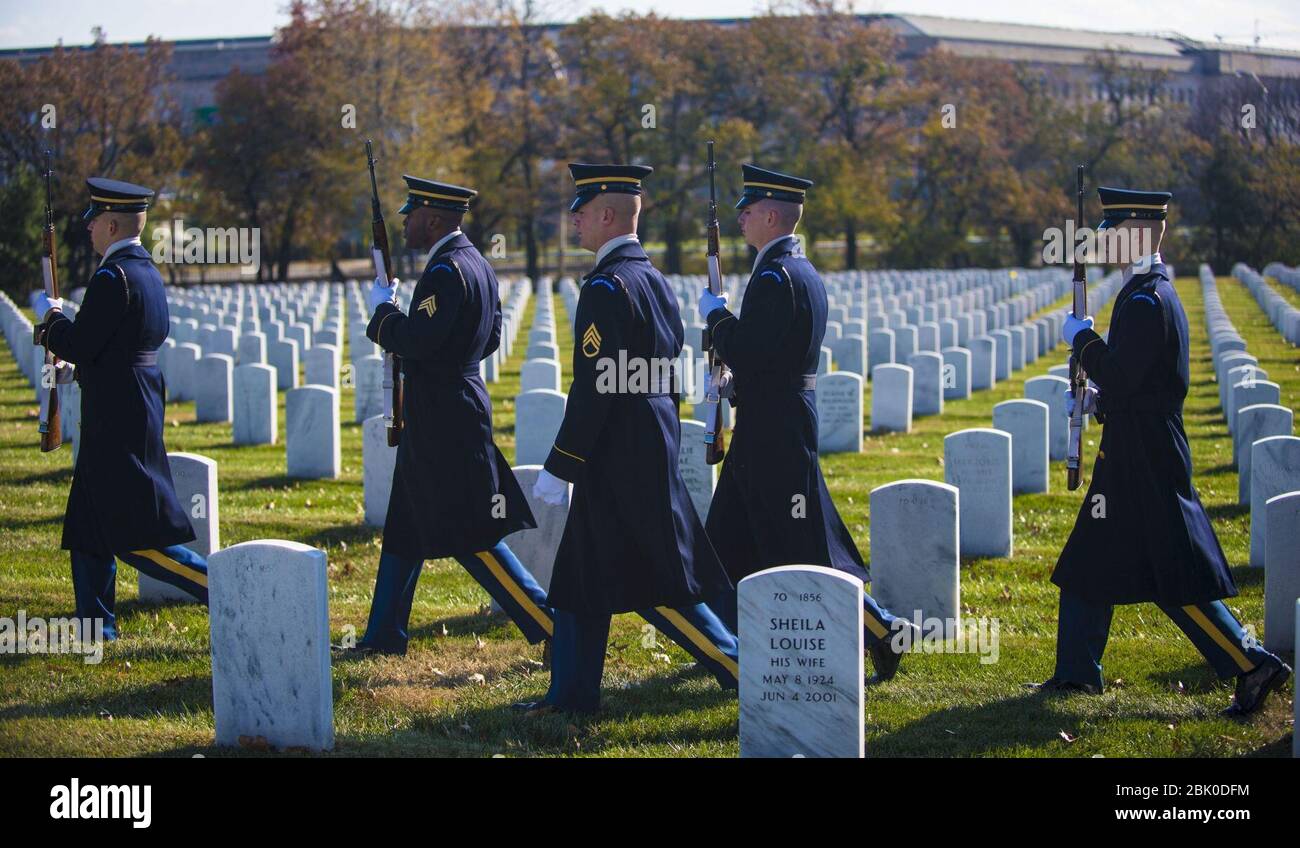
[1078, 379]
[51, 421]
[394, 419]
[715, 438]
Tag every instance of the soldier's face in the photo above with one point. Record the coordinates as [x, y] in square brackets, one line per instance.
[415, 229]
[581, 231]
[103, 229]
[756, 222]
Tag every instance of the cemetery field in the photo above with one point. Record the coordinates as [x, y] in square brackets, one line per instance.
[152, 692]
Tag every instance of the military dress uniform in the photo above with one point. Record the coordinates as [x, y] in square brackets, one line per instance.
[122, 504]
[772, 349]
[1142, 533]
[453, 493]
[632, 540]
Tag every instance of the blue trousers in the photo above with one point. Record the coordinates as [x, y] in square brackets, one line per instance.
[496, 569]
[94, 578]
[877, 621]
[578, 652]
[1083, 627]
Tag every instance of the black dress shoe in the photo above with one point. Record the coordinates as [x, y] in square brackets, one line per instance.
[1253, 686]
[1064, 687]
[884, 659]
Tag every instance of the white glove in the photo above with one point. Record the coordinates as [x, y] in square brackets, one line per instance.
[724, 383]
[550, 489]
[44, 303]
[1089, 401]
[1073, 326]
[710, 301]
[381, 292]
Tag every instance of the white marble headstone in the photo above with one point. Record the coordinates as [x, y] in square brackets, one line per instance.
[927, 382]
[194, 478]
[540, 374]
[891, 399]
[269, 619]
[801, 663]
[1275, 470]
[1027, 422]
[915, 564]
[1256, 422]
[839, 412]
[1281, 570]
[213, 388]
[377, 463]
[368, 396]
[700, 477]
[255, 410]
[538, 415]
[978, 463]
[1051, 390]
[311, 436]
[535, 547]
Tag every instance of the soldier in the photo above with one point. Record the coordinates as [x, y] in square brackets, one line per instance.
[632, 540]
[122, 504]
[453, 493]
[1141, 533]
[771, 506]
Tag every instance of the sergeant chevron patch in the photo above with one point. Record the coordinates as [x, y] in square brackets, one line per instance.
[591, 342]
[428, 306]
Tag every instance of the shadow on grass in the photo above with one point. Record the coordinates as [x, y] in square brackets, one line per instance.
[1034, 720]
[1226, 510]
[53, 475]
[275, 481]
[1196, 678]
[653, 712]
[354, 535]
[480, 623]
[174, 697]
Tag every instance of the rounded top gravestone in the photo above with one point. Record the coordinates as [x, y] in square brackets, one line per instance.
[801, 663]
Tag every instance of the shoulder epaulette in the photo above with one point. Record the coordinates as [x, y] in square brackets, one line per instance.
[614, 283]
[120, 275]
[446, 263]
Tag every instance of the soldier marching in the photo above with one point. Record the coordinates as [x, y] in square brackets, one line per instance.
[632, 540]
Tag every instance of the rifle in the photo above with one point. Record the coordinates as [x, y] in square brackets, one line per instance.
[51, 421]
[715, 441]
[393, 418]
[1078, 379]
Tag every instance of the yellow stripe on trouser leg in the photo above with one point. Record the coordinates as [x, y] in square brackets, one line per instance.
[160, 559]
[516, 592]
[701, 641]
[1218, 636]
[877, 629]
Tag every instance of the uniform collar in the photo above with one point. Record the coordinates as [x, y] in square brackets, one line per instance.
[614, 243]
[772, 247]
[1144, 265]
[437, 245]
[120, 245]
[624, 246]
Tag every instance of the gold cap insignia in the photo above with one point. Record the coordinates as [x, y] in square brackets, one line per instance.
[591, 342]
[428, 306]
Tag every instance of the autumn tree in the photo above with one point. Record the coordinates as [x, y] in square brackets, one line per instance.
[103, 110]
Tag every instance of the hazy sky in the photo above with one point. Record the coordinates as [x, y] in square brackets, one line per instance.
[1277, 22]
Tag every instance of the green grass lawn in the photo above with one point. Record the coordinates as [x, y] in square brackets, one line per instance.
[449, 697]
